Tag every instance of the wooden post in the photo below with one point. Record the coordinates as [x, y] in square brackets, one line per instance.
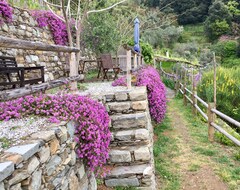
[176, 82]
[135, 61]
[215, 80]
[211, 118]
[129, 69]
[194, 92]
[184, 87]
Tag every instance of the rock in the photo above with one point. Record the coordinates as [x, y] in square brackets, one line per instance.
[32, 21]
[33, 164]
[44, 154]
[125, 182]
[26, 14]
[73, 181]
[126, 171]
[109, 97]
[119, 156]
[148, 172]
[139, 105]
[54, 146]
[138, 94]
[142, 154]
[121, 96]
[25, 150]
[64, 135]
[142, 134]
[29, 34]
[6, 169]
[16, 187]
[71, 125]
[119, 107]
[81, 171]
[23, 27]
[2, 186]
[73, 158]
[5, 27]
[34, 58]
[36, 180]
[129, 121]
[55, 58]
[124, 135]
[15, 158]
[18, 176]
[44, 135]
[52, 164]
[92, 182]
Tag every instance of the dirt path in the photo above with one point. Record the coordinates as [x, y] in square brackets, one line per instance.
[195, 171]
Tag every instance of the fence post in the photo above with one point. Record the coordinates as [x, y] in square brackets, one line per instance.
[129, 65]
[194, 110]
[177, 82]
[135, 61]
[184, 88]
[211, 118]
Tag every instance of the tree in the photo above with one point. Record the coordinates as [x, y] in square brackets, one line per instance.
[79, 11]
[219, 20]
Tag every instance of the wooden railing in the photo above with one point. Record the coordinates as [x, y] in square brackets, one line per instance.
[210, 115]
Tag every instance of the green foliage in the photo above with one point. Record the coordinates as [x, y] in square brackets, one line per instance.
[224, 140]
[218, 22]
[168, 83]
[188, 51]
[225, 48]
[146, 51]
[100, 33]
[30, 4]
[228, 93]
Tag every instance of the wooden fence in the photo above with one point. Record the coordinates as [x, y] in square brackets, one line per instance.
[192, 97]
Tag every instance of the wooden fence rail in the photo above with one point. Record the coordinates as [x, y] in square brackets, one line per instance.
[213, 111]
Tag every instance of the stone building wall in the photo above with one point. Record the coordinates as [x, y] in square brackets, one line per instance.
[46, 161]
[131, 150]
[25, 27]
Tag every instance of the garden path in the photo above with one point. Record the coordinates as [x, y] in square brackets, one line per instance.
[195, 172]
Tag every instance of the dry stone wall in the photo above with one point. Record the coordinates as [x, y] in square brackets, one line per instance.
[46, 161]
[25, 27]
[131, 150]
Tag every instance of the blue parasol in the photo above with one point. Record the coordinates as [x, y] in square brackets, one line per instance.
[136, 35]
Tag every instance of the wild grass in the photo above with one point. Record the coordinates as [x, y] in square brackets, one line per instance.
[224, 159]
[165, 148]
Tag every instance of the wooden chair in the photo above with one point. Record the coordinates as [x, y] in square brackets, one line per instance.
[8, 66]
[108, 66]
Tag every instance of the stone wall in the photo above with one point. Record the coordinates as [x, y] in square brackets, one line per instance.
[25, 27]
[47, 160]
[131, 150]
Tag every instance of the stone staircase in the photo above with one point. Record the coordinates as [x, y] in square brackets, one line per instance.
[131, 150]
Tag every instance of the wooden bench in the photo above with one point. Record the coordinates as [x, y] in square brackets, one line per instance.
[8, 66]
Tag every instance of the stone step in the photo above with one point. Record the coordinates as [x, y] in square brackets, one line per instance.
[129, 121]
[126, 155]
[137, 175]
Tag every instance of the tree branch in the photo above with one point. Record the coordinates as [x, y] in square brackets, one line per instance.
[101, 10]
[48, 5]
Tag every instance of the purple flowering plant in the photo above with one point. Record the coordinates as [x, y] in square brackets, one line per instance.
[56, 25]
[5, 11]
[92, 134]
[149, 77]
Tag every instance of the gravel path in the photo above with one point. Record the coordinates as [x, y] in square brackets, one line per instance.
[101, 88]
[13, 131]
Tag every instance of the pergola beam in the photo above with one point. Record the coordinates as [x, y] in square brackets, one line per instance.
[7, 42]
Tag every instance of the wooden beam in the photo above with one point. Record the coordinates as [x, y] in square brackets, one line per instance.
[20, 92]
[28, 45]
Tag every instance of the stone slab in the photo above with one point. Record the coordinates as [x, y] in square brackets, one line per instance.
[119, 156]
[25, 150]
[129, 121]
[125, 182]
[6, 169]
[125, 171]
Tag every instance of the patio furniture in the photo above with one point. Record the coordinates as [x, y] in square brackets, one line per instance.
[106, 65]
[9, 68]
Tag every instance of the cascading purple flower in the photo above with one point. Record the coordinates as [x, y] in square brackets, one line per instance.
[56, 25]
[149, 77]
[92, 134]
[5, 11]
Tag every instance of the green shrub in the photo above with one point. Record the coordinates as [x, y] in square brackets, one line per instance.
[224, 140]
[225, 48]
[168, 83]
[228, 92]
